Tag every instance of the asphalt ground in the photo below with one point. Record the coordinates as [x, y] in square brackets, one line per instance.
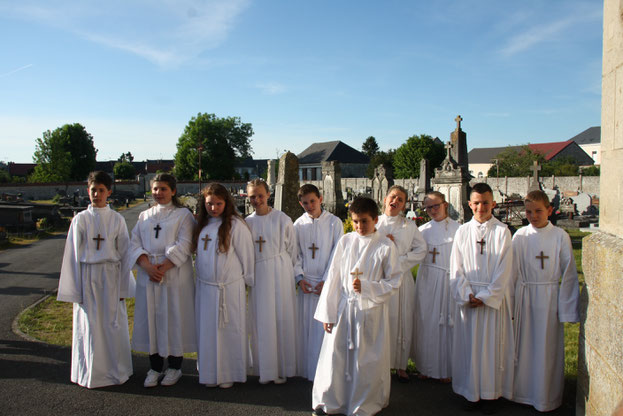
[34, 376]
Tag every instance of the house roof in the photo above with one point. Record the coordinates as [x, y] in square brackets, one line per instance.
[163, 165]
[21, 169]
[335, 150]
[548, 150]
[251, 163]
[591, 135]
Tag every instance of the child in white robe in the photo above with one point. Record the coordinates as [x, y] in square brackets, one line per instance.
[164, 314]
[543, 257]
[224, 263]
[481, 284]
[434, 307]
[96, 277]
[353, 373]
[272, 310]
[317, 233]
[411, 250]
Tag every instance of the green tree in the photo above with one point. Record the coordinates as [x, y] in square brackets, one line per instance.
[370, 147]
[564, 166]
[514, 162]
[4, 176]
[126, 157]
[591, 171]
[416, 148]
[224, 141]
[124, 170]
[380, 158]
[64, 154]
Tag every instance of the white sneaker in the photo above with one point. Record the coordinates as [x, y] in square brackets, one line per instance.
[226, 385]
[280, 380]
[152, 378]
[171, 376]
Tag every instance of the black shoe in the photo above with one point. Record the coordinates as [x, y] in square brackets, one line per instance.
[470, 406]
[403, 379]
[318, 411]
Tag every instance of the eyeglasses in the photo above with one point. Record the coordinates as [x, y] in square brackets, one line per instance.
[432, 207]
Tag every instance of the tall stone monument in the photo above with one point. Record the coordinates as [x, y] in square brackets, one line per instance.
[600, 352]
[383, 180]
[423, 183]
[535, 185]
[287, 186]
[332, 197]
[452, 178]
[270, 174]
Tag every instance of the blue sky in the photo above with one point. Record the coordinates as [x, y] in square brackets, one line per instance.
[134, 72]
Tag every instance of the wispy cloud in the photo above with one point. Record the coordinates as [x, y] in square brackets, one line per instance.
[271, 88]
[547, 31]
[169, 33]
[498, 115]
[21, 68]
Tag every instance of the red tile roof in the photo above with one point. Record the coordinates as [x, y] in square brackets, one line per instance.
[549, 150]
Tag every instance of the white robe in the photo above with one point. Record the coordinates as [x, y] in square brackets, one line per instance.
[164, 313]
[272, 311]
[541, 307]
[94, 280]
[353, 374]
[434, 307]
[220, 303]
[324, 233]
[483, 348]
[411, 251]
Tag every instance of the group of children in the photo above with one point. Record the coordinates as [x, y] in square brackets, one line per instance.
[356, 314]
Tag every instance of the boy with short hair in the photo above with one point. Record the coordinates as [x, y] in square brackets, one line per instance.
[317, 233]
[543, 256]
[481, 283]
[96, 277]
[353, 374]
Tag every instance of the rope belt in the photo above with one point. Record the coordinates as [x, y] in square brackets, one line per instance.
[353, 310]
[223, 318]
[270, 257]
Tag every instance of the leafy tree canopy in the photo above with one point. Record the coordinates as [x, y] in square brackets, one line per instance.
[65, 154]
[380, 158]
[224, 141]
[591, 171]
[410, 153]
[370, 147]
[126, 157]
[514, 163]
[124, 170]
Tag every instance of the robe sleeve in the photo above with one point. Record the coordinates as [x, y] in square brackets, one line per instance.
[327, 310]
[181, 248]
[501, 274]
[136, 242]
[417, 251]
[289, 239]
[70, 282]
[374, 293]
[127, 284]
[298, 264]
[242, 241]
[568, 296]
[459, 285]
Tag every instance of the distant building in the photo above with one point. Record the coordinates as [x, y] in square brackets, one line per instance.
[481, 159]
[590, 141]
[254, 168]
[353, 163]
[21, 170]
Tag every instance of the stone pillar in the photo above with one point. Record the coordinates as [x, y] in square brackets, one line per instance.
[332, 197]
[600, 366]
[383, 180]
[270, 174]
[287, 186]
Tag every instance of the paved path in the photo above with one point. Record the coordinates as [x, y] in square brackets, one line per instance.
[34, 377]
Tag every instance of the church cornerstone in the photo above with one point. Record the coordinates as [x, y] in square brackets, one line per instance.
[600, 361]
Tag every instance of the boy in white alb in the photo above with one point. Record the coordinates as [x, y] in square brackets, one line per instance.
[543, 257]
[481, 283]
[317, 234]
[96, 277]
[353, 373]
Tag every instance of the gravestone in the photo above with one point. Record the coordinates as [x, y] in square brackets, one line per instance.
[423, 183]
[452, 179]
[582, 201]
[383, 180]
[287, 186]
[332, 196]
[270, 174]
[535, 185]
